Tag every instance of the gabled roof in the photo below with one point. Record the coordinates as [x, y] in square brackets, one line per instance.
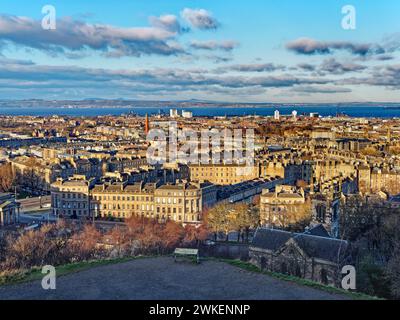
[319, 231]
[328, 249]
[324, 248]
[270, 239]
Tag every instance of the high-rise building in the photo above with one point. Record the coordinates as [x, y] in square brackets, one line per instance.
[187, 114]
[277, 115]
[173, 113]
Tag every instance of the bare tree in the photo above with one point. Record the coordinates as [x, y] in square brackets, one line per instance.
[6, 177]
[221, 219]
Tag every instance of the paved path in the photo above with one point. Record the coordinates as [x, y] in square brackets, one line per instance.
[162, 279]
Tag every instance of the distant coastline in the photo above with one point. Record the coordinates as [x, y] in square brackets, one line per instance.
[367, 110]
[194, 104]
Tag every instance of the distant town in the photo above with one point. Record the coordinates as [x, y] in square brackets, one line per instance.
[319, 193]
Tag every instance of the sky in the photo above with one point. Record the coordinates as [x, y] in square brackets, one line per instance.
[285, 51]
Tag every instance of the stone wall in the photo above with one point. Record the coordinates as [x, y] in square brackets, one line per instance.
[291, 263]
[226, 251]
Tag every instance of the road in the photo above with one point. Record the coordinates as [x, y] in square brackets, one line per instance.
[162, 279]
[33, 204]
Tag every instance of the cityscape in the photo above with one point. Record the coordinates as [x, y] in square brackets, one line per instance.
[141, 162]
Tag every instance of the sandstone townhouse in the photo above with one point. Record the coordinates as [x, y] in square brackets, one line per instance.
[183, 202]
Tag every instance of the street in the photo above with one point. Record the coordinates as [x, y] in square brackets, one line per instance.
[35, 204]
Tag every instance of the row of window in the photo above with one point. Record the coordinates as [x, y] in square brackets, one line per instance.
[78, 213]
[74, 196]
[282, 209]
[123, 198]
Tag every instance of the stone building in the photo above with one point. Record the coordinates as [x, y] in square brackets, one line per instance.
[9, 209]
[282, 206]
[223, 174]
[123, 200]
[182, 202]
[376, 179]
[70, 198]
[312, 255]
[124, 164]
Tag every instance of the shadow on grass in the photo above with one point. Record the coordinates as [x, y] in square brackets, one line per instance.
[304, 282]
[22, 276]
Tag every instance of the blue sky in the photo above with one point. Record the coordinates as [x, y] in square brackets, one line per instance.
[255, 50]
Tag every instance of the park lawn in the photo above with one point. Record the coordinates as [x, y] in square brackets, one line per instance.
[304, 282]
[21, 276]
[33, 274]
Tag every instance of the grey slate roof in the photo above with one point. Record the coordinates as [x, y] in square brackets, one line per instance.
[270, 239]
[323, 248]
[328, 249]
[319, 231]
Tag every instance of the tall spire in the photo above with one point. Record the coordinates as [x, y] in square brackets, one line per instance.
[147, 125]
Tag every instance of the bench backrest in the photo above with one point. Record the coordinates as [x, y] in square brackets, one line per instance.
[188, 252]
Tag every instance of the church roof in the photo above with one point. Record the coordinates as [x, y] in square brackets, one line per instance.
[314, 246]
[319, 231]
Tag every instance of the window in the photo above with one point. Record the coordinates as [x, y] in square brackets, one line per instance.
[283, 268]
[324, 276]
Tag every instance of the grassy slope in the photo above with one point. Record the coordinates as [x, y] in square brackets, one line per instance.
[304, 282]
[35, 274]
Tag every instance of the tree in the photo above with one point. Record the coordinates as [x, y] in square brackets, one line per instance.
[151, 238]
[33, 248]
[220, 219]
[135, 225]
[85, 243]
[294, 216]
[372, 228]
[31, 177]
[195, 234]
[246, 217]
[119, 239]
[173, 234]
[393, 272]
[301, 184]
[3, 247]
[371, 151]
[6, 177]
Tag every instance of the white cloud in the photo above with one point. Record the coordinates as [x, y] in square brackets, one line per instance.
[200, 19]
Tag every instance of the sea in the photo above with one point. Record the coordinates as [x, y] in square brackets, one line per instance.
[324, 110]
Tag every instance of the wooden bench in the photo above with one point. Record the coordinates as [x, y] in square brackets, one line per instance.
[182, 252]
